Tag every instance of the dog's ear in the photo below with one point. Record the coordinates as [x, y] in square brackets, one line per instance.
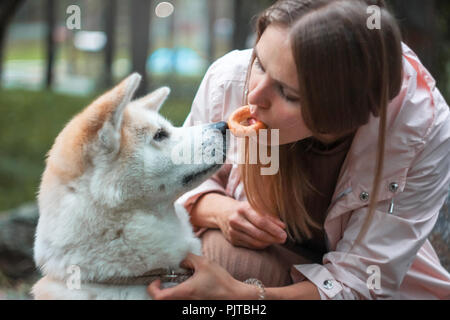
[154, 100]
[110, 107]
[123, 92]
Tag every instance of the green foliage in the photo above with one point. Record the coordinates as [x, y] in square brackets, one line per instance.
[29, 123]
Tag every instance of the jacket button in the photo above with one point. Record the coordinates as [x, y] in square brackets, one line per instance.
[328, 284]
[393, 187]
[364, 196]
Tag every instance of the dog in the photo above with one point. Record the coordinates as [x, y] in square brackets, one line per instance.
[107, 220]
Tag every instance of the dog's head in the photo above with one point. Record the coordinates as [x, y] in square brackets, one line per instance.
[122, 153]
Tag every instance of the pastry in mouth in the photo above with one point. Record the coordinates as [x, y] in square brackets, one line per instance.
[242, 124]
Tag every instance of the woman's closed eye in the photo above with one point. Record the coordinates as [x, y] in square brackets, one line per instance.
[279, 87]
[285, 96]
[258, 65]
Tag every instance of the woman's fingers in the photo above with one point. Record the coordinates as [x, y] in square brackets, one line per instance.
[262, 220]
[193, 261]
[155, 291]
[253, 232]
[261, 230]
[189, 262]
[179, 292]
[280, 223]
[263, 227]
[242, 239]
[210, 281]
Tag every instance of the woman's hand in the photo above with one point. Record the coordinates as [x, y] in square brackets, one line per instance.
[209, 282]
[242, 226]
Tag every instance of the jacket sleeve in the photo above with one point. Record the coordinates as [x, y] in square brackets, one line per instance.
[392, 240]
[207, 107]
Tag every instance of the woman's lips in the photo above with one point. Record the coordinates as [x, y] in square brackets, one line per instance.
[253, 117]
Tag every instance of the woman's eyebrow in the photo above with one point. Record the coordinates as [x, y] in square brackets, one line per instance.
[278, 81]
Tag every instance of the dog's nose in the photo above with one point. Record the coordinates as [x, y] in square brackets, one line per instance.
[222, 126]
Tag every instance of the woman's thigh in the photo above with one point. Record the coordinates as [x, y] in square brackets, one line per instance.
[271, 265]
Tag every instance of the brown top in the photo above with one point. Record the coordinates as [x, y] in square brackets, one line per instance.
[323, 163]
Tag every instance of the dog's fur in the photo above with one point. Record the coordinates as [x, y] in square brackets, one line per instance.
[107, 193]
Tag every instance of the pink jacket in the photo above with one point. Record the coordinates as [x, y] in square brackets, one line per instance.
[395, 259]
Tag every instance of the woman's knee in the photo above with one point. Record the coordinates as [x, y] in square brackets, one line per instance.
[271, 265]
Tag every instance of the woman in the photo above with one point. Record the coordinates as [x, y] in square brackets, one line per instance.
[364, 164]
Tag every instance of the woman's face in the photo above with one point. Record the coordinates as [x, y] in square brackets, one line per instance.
[273, 86]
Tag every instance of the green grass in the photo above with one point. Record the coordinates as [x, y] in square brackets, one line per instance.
[25, 50]
[29, 123]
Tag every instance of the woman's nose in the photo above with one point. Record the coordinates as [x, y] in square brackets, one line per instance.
[259, 96]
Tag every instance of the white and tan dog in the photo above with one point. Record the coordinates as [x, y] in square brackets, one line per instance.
[107, 193]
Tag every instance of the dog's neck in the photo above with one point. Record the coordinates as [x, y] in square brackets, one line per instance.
[160, 209]
[130, 236]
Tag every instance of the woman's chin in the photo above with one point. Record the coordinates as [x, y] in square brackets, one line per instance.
[267, 137]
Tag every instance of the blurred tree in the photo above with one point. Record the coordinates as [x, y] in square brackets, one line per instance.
[212, 8]
[50, 43]
[417, 20]
[110, 30]
[172, 31]
[443, 49]
[244, 14]
[140, 40]
[8, 8]
[425, 28]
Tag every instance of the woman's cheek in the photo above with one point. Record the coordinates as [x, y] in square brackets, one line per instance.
[293, 129]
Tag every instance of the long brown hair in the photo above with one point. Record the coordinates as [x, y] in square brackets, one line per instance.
[346, 72]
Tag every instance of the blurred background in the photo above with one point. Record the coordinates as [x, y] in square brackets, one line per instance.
[56, 56]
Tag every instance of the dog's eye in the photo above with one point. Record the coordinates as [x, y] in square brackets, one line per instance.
[161, 134]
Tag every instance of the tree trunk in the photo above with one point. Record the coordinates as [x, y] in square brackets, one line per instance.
[8, 9]
[245, 12]
[140, 42]
[51, 22]
[110, 29]
[240, 25]
[417, 19]
[172, 44]
[212, 8]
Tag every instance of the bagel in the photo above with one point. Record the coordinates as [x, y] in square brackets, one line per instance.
[241, 124]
